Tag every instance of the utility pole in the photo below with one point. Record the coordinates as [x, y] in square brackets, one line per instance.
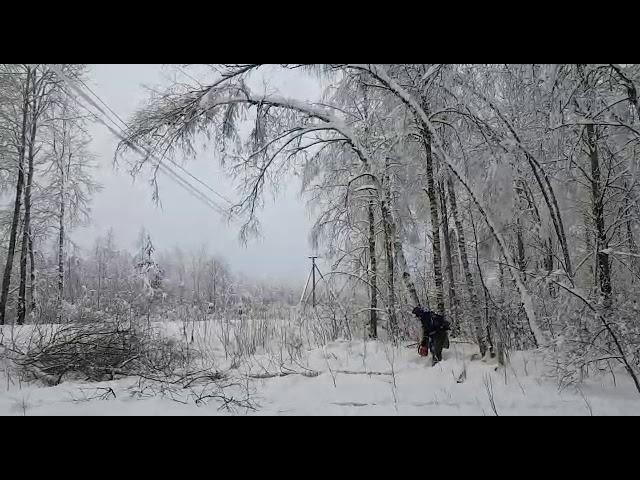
[313, 280]
[312, 277]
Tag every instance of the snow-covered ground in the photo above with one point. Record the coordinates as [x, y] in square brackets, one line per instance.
[349, 378]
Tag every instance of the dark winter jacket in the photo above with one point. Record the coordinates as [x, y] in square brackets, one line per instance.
[432, 322]
[434, 332]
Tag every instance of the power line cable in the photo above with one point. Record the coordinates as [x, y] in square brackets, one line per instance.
[121, 134]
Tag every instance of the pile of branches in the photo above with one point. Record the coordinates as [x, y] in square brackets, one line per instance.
[103, 351]
[95, 352]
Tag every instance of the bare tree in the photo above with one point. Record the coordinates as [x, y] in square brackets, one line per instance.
[25, 87]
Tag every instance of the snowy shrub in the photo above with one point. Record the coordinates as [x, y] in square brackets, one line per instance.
[597, 340]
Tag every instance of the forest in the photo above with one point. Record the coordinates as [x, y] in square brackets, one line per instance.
[503, 197]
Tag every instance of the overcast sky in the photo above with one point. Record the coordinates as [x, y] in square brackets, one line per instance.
[183, 220]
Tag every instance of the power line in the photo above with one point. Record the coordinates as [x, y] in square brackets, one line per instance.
[120, 134]
[164, 168]
[77, 77]
[126, 125]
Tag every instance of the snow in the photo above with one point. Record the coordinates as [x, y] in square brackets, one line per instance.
[421, 389]
[354, 378]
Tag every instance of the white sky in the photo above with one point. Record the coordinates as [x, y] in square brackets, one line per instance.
[183, 220]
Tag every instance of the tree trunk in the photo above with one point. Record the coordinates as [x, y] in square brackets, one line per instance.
[6, 279]
[548, 264]
[597, 208]
[435, 222]
[453, 300]
[633, 250]
[547, 259]
[387, 217]
[631, 243]
[22, 292]
[390, 227]
[99, 283]
[489, 345]
[215, 286]
[32, 275]
[388, 246]
[522, 261]
[71, 289]
[464, 259]
[61, 248]
[373, 274]
[554, 211]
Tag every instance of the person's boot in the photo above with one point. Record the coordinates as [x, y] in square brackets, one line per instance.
[437, 357]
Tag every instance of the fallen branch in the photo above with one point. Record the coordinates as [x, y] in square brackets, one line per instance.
[310, 374]
[349, 372]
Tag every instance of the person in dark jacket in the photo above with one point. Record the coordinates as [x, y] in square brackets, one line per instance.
[434, 333]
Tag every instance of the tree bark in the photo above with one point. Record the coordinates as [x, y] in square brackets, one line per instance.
[488, 344]
[464, 259]
[32, 274]
[522, 261]
[435, 222]
[6, 279]
[597, 209]
[554, 211]
[99, 283]
[22, 300]
[631, 243]
[387, 217]
[388, 246]
[373, 274]
[633, 250]
[61, 246]
[453, 300]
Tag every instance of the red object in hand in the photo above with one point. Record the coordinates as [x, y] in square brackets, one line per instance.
[423, 351]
